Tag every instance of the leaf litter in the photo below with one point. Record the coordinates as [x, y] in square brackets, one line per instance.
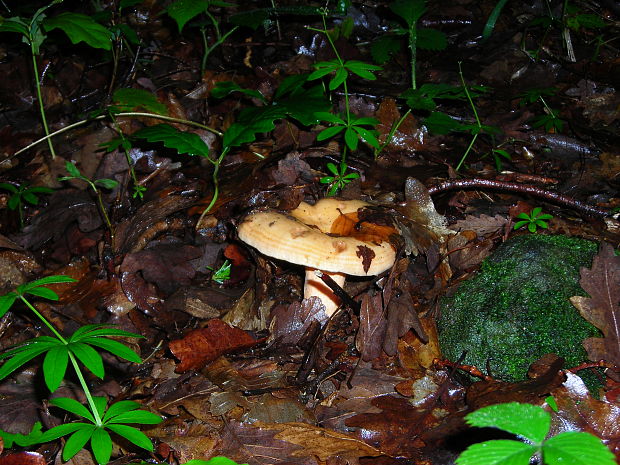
[246, 368]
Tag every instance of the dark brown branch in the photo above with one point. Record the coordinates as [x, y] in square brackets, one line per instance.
[550, 196]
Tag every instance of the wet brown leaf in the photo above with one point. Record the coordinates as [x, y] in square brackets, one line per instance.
[484, 225]
[289, 324]
[373, 326]
[23, 458]
[394, 430]
[578, 410]
[602, 308]
[201, 346]
[320, 442]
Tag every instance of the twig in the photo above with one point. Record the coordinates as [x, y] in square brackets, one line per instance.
[521, 188]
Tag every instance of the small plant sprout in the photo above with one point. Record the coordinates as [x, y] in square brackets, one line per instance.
[79, 348]
[339, 178]
[74, 173]
[222, 273]
[22, 194]
[531, 424]
[534, 220]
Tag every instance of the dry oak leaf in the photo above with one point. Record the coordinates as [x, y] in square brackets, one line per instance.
[602, 308]
[201, 346]
[320, 443]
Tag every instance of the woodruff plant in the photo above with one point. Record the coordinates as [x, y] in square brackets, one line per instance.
[354, 128]
[531, 424]
[80, 347]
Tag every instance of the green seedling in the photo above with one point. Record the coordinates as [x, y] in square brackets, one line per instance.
[550, 121]
[353, 128]
[22, 194]
[74, 173]
[534, 220]
[183, 11]
[78, 27]
[339, 179]
[59, 351]
[410, 11]
[222, 273]
[531, 424]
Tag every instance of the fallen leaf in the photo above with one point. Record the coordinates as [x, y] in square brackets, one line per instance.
[373, 325]
[201, 346]
[289, 323]
[320, 442]
[602, 308]
[23, 458]
[484, 225]
[253, 445]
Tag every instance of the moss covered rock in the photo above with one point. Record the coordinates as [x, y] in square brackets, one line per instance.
[516, 309]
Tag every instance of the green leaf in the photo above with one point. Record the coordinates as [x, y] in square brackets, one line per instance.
[362, 69]
[252, 18]
[410, 10]
[330, 118]
[222, 89]
[365, 121]
[142, 417]
[133, 435]
[106, 183]
[131, 99]
[22, 440]
[100, 403]
[98, 330]
[329, 132]
[520, 224]
[383, 48]
[213, 461]
[368, 136]
[19, 359]
[183, 142]
[30, 198]
[89, 357]
[576, 448]
[81, 28]
[524, 420]
[340, 76]
[77, 441]
[54, 279]
[183, 11]
[497, 452]
[55, 366]
[73, 406]
[8, 187]
[431, 39]
[14, 24]
[101, 443]
[73, 170]
[116, 348]
[43, 292]
[61, 430]
[351, 139]
[6, 302]
[120, 407]
[441, 123]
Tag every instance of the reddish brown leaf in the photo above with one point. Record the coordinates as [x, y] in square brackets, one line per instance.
[602, 308]
[373, 325]
[289, 323]
[23, 458]
[202, 346]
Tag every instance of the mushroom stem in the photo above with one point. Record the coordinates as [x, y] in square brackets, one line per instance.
[314, 286]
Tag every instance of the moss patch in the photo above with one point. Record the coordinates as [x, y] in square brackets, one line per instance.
[516, 309]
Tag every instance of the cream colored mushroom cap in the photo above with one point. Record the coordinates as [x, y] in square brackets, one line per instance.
[286, 238]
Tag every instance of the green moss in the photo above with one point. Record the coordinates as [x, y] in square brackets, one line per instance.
[516, 309]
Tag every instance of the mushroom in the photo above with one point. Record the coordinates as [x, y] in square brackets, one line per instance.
[302, 237]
